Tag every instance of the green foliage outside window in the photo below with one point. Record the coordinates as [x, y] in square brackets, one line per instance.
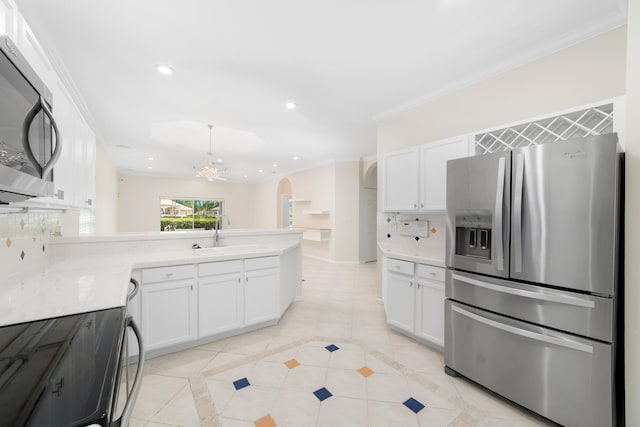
[188, 214]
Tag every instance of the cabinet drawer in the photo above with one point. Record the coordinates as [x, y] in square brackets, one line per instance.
[430, 272]
[221, 267]
[402, 267]
[260, 263]
[164, 274]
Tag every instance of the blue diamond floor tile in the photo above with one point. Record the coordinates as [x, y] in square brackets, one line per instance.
[322, 394]
[241, 383]
[332, 348]
[414, 405]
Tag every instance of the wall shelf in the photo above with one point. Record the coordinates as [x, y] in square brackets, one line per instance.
[316, 234]
[300, 201]
[323, 212]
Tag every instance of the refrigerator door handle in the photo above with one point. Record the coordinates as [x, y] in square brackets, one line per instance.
[517, 213]
[497, 225]
[524, 333]
[561, 299]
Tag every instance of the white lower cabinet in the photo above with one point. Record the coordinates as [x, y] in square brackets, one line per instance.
[261, 291]
[430, 303]
[169, 305]
[414, 299]
[400, 301]
[183, 303]
[219, 297]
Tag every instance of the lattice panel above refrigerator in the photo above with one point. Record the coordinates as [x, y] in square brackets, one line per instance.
[591, 121]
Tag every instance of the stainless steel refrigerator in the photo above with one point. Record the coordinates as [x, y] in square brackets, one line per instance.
[533, 284]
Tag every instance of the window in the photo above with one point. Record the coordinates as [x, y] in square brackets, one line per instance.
[189, 214]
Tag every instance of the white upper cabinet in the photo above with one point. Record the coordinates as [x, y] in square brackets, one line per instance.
[9, 19]
[401, 180]
[415, 179]
[33, 52]
[433, 179]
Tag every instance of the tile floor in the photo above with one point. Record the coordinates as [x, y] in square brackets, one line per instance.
[330, 361]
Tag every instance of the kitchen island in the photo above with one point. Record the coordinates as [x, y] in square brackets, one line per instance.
[186, 293]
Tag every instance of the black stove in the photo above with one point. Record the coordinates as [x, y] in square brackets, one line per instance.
[61, 371]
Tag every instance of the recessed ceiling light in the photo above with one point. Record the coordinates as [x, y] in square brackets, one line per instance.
[246, 176]
[296, 158]
[164, 69]
[150, 158]
[290, 105]
[219, 160]
[149, 167]
[260, 170]
[275, 165]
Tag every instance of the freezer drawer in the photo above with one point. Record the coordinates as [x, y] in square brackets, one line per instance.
[562, 377]
[586, 315]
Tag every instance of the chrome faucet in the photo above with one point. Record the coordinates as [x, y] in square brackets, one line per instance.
[219, 217]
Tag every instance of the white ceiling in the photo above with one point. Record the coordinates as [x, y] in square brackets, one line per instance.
[237, 62]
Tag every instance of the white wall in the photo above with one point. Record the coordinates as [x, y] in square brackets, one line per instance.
[347, 211]
[106, 194]
[632, 213]
[332, 186]
[266, 202]
[587, 72]
[139, 200]
[318, 186]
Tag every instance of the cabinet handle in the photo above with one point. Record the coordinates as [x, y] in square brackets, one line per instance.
[432, 274]
[238, 280]
[415, 205]
[89, 202]
[410, 284]
[418, 285]
[169, 275]
[422, 205]
[191, 287]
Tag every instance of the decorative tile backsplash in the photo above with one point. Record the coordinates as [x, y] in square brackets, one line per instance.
[413, 234]
[25, 239]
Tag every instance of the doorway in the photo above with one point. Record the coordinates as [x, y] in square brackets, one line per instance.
[285, 213]
[368, 215]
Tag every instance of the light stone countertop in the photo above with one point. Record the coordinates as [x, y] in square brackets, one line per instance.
[97, 282]
[404, 256]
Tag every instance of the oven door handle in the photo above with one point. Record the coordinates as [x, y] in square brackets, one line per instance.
[128, 407]
[43, 170]
[573, 345]
[136, 287]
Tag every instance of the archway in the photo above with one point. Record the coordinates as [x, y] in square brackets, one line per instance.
[284, 203]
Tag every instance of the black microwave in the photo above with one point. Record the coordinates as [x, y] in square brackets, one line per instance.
[29, 137]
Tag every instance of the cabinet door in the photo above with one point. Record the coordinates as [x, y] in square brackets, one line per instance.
[34, 53]
[261, 295]
[219, 304]
[64, 169]
[434, 157]
[430, 311]
[401, 180]
[9, 19]
[168, 313]
[400, 301]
